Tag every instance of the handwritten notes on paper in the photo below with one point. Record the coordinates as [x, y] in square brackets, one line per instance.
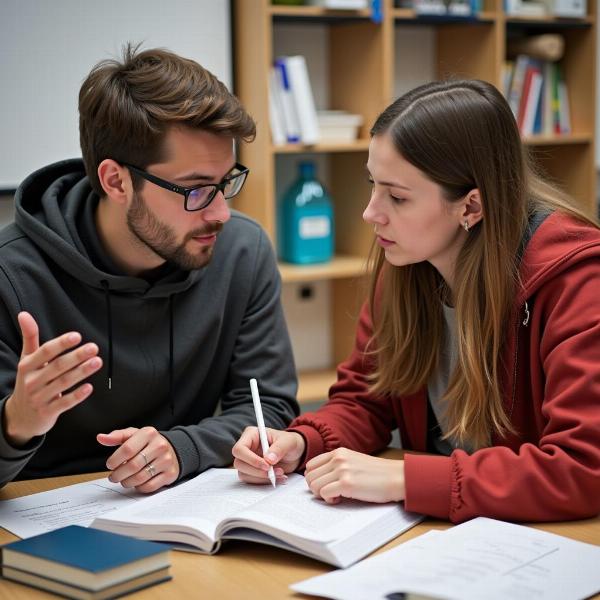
[482, 558]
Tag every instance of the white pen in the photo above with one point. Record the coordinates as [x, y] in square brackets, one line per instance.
[262, 432]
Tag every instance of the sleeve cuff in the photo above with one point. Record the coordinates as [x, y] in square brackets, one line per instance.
[186, 451]
[314, 443]
[10, 452]
[428, 484]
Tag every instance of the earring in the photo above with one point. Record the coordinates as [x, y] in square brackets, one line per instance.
[466, 226]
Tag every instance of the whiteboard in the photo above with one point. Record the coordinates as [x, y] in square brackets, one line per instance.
[47, 48]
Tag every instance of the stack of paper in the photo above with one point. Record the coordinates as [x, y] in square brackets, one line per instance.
[482, 558]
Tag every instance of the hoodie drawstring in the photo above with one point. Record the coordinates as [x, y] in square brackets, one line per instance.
[106, 287]
[171, 401]
[104, 284]
[526, 319]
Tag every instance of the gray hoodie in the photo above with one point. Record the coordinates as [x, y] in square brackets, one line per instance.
[175, 350]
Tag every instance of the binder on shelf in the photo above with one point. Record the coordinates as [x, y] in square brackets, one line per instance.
[531, 104]
[299, 83]
[548, 70]
[516, 85]
[564, 118]
[290, 116]
[276, 120]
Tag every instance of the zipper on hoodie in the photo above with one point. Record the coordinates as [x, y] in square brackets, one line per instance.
[525, 323]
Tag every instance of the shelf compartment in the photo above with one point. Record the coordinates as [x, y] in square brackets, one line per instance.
[409, 15]
[360, 145]
[558, 140]
[316, 13]
[549, 22]
[338, 268]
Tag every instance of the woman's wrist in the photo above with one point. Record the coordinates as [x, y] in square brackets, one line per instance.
[397, 483]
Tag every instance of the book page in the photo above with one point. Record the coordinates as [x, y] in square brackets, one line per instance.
[296, 510]
[482, 558]
[77, 504]
[200, 503]
[218, 496]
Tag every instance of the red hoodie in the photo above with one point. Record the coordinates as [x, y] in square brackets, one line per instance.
[549, 470]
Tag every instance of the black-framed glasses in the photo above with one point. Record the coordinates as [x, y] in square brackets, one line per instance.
[200, 196]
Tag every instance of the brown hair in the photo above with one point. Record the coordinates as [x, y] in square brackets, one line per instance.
[126, 108]
[462, 135]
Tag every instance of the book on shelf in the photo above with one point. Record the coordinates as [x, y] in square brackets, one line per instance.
[79, 562]
[283, 91]
[455, 8]
[527, 8]
[303, 98]
[542, 8]
[482, 558]
[538, 96]
[215, 506]
[276, 122]
[291, 102]
[570, 8]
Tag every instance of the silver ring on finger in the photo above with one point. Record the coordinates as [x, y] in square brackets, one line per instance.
[145, 458]
[151, 470]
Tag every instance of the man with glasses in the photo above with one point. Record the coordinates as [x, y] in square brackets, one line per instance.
[135, 304]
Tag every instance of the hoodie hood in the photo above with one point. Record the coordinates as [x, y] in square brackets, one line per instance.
[49, 207]
[555, 243]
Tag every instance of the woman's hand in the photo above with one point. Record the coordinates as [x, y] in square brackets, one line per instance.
[285, 451]
[345, 473]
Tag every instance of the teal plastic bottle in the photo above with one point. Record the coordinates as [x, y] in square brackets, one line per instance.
[305, 220]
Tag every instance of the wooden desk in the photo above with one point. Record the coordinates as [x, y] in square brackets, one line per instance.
[241, 569]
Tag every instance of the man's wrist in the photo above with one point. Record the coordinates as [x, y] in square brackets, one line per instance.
[13, 437]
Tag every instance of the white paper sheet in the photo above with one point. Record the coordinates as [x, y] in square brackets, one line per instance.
[77, 504]
[482, 558]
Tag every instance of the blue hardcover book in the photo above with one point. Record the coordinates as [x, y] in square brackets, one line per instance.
[81, 562]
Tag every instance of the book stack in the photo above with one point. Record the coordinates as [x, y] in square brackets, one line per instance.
[85, 563]
[542, 8]
[537, 94]
[442, 8]
[338, 125]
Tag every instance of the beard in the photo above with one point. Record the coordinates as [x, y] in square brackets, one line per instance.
[161, 238]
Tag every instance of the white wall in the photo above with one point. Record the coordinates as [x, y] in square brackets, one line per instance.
[47, 47]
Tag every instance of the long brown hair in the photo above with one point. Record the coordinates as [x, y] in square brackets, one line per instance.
[126, 108]
[462, 135]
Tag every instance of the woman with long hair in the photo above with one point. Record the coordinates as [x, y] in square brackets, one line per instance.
[480, 339]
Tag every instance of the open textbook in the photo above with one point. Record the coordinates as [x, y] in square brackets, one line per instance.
[482, 558]
[215, 506]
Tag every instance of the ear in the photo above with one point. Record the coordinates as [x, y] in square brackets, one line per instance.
[471, 209]
[115, 181]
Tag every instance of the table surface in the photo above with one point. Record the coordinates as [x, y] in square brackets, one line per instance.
[242, 569]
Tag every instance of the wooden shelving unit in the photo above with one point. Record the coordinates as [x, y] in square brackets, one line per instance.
[361, 80]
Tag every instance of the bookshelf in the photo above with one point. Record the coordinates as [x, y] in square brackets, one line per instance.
[361, 71]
